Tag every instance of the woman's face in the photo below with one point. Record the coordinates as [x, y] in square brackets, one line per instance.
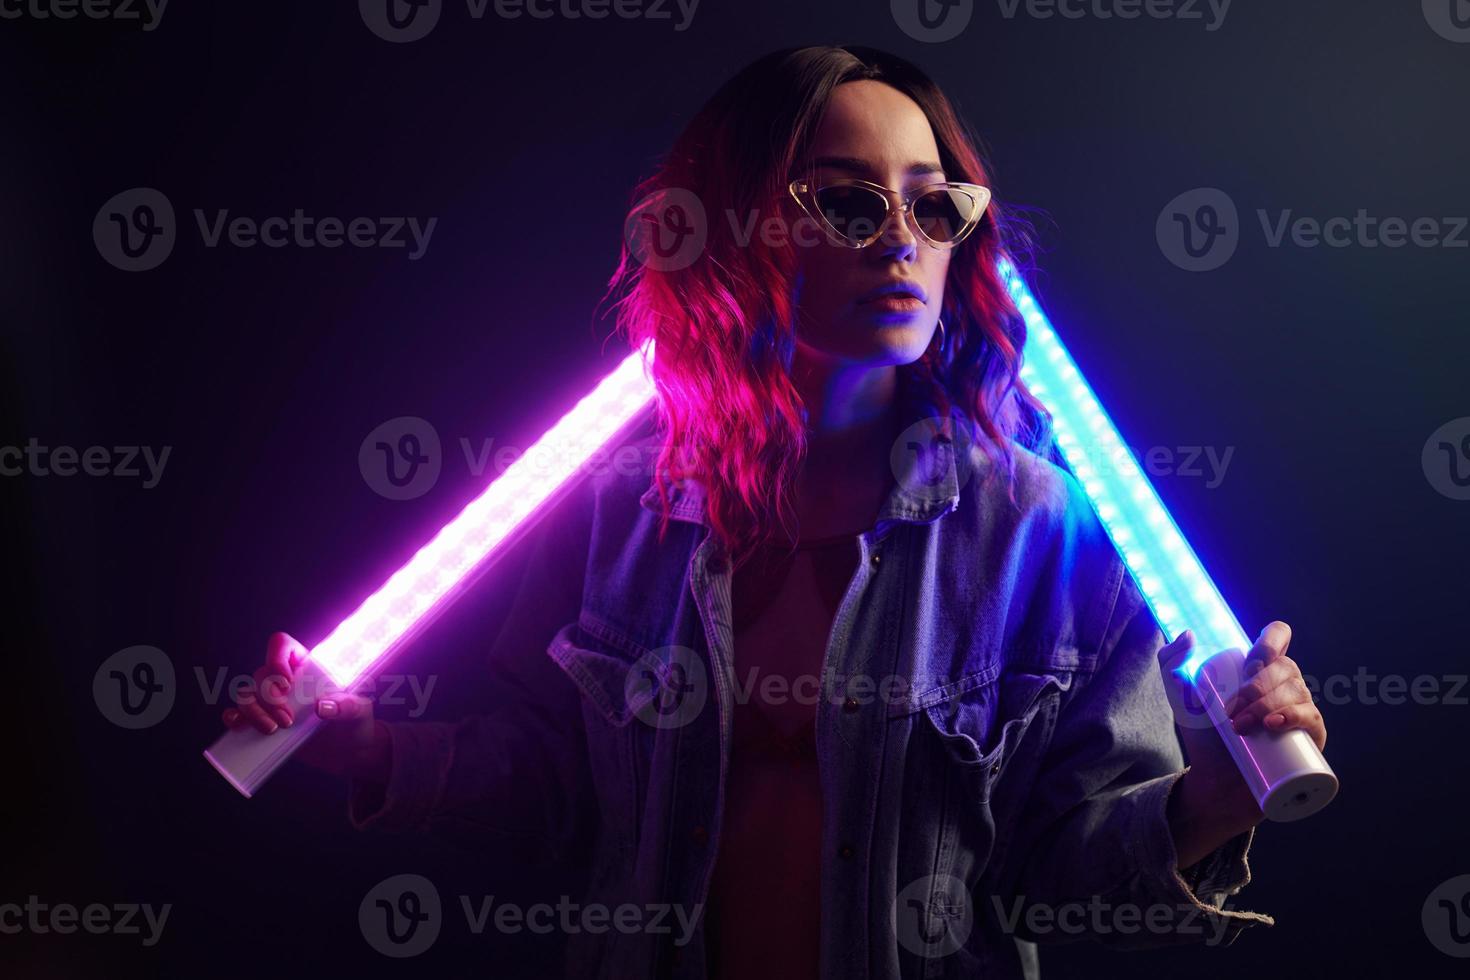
[875, 132]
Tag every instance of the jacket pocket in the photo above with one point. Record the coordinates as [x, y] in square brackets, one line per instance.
[987, 722]
[607, 667]
[616, 750]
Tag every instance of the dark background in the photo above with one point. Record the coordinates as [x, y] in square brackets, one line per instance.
[1326, 369]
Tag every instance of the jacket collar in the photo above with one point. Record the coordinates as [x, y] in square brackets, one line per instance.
[927, 475]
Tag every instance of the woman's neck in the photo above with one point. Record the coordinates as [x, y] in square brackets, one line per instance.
[851, 418]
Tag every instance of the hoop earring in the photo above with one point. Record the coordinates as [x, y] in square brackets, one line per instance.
[943, 336]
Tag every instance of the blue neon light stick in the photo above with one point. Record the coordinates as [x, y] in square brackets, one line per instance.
[1285, 771]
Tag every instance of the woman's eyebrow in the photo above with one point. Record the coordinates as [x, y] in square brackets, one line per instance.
[860, 166]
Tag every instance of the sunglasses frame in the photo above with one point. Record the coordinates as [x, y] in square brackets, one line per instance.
[806, 197]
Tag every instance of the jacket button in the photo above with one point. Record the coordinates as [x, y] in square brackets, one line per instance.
[850, 705]
[845, 852]
[995, 768]
[700, 835]
[876, 557]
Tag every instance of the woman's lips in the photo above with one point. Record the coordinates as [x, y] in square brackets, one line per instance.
[896, 304]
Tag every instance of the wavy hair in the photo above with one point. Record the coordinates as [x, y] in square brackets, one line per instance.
[724, 324]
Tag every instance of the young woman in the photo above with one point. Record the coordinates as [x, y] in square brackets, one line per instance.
[850, 679]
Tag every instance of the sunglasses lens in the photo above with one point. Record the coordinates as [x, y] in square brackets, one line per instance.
[942, 215]
[856, 213]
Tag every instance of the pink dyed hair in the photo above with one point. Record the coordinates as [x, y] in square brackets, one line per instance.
[727, 411]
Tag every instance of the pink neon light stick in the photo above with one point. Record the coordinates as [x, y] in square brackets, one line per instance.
[363, 642]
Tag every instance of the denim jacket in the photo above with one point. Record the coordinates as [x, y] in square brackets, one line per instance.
[1010, 792]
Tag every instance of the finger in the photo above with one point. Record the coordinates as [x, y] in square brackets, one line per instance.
[284, 653]
[344, 707]
[1268, 678]
[1291, 693]
[1173, 655]
[1270, 646]
[1303, 716]
[273, 690]
[254, 713]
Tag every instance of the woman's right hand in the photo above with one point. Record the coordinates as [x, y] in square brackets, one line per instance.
[351, 743]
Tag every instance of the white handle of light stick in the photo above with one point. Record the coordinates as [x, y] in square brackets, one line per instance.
[1286, 772]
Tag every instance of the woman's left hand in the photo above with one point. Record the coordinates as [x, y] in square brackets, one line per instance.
[1273, 695]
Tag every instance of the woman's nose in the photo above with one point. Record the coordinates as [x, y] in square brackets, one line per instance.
[897, 239]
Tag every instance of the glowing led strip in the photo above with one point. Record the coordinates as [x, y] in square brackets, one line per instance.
[1167, 571]
[356, 646]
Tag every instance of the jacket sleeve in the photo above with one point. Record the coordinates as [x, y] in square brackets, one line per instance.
[518, 775]
[1098, 860]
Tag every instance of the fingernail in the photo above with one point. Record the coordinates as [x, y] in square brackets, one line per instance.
[286, 721]
[1239, 724]
[1277, 719]
[327, 709]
